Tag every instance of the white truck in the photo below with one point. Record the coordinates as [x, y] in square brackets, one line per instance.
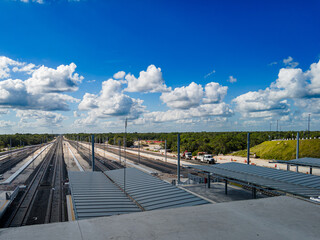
[207, 158]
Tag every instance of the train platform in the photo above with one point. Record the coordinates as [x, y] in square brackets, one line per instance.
[269, 218]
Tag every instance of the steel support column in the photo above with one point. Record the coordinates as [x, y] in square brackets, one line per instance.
[178, 165]
[226, 187]
[254, 192]
[92, 140]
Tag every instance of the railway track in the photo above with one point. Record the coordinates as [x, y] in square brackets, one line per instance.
[101, 163]
[43, 200]
[161, 166]
[10, 161]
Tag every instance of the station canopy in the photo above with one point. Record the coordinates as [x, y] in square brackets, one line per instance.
[295, 183]
[307, 162]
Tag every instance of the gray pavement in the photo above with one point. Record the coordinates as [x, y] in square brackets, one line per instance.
[268, 218]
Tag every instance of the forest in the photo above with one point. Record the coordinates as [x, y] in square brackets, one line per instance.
[20, 140]
[211, 142]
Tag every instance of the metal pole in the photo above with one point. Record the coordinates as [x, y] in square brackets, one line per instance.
[103, 148]
[208, 180]
[92, 140]
[310, 170]
[119, 143]
[248, 148]
[309, 126]
[297, 154]
[165, 149]
[254, 192]
[178, 166]
[125, 155]
[139, 150]
[226, 187]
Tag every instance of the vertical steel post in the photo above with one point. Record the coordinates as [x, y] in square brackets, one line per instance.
[254, 192]
[165, 149]
[178, 165]
[92, 140]
[139, 150]
[208, 180]
[125, 155]
[310, 170]
[226, 187]
[297, 154]
[119, 143]
[248, 148]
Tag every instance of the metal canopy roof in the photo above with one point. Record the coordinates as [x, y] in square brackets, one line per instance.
[286, 181]
[310, 162]
[94, 195]
[151, 192]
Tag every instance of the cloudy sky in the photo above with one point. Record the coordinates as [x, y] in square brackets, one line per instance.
[85, 66]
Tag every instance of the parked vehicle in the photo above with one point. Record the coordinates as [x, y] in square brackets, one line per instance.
[187, 155]
[207, 158]
[200, 156]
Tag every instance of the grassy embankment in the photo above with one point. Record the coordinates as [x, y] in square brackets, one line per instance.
[284, 150]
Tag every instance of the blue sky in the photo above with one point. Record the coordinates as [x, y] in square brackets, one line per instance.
[188, 52]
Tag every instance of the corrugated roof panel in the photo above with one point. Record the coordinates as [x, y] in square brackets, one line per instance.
[291, 182]
[151, 192]
[308, 162]
[94, 195]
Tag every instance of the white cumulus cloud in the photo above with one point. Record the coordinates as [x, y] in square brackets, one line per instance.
[119, 75]
[43, 90]
[183, 97]
[148, 81]
[292, 84]
[110, 102]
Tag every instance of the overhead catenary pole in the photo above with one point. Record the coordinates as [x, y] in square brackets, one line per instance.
[165, 149]
[248, 148]
[119, 143]
[139, 150]
[125, 161]
[178, 165]
[309, 125]
[297, 150]
[92, 140]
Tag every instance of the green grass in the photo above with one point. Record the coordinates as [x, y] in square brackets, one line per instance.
[284, 150]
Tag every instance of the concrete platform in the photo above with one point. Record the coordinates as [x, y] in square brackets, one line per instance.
[269, 218]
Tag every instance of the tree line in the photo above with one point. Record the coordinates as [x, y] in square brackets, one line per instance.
[211, 142]
[20, 140]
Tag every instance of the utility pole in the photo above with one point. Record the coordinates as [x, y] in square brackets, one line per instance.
[248, 148]
[119, 143]
[309, 125]
[139, 150]
[178, 165]
[165, 150]
[92, 140]
[125, 155]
